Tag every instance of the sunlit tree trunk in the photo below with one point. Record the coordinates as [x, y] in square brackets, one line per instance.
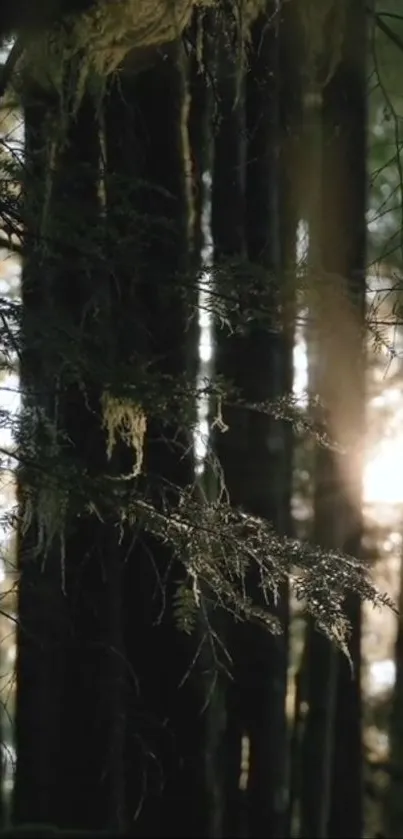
[229, 249]
[201, 138]
[290, 165]
[332, 770]
[201, 51]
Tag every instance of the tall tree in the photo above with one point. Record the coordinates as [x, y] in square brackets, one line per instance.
[344, 253]
[227, 221]
[340, 378]
[267, 375]
[68, 670]
[35, 658]
[148, 205]
[258, 363]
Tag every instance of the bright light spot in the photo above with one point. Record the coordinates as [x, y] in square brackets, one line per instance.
[383, 474]
[205, 351]
[300, 385]
[382, 675]
[201, 440]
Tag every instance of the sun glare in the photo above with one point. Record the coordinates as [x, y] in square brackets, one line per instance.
[383, 474]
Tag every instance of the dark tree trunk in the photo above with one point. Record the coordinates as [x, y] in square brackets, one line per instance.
[146, 146]
[344, 253]
[246, 206]
[393, 806]
[69, 708]
[267, 374]
[37, 657]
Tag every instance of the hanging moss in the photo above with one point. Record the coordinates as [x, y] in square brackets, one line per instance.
[94, 44]
[46, 503]
[79, 52]
[126, 421]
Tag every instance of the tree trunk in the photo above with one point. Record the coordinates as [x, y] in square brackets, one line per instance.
[393, 807]
[259, 364]
[227, 221]
[290, 119]
[69, 708]
[267, 375]
[201, 35]
[37, 657]
[166, 728]
[344, 253]
[333, 727]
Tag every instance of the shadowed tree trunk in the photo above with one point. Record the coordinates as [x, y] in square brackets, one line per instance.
[255, 451]
[146, 149]
[344, 253]
[37, 658]
[267, 374]
[68, 668]
[393, 805]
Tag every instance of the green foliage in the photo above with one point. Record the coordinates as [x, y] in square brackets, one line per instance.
[220, 547]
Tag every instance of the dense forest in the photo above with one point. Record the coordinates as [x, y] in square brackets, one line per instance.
[199, 199]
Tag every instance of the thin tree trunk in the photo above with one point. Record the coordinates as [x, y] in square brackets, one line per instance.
[268, 374]
[393, 805]
[227, 219]
[201, 113]
[201, 34]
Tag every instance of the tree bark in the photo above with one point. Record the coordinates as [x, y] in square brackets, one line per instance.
[344, 253]
[36, 655]
[69, 708]
[268, 374]
[393, 808]
[228, 233]
[333, 726]
[165, 755]
[246, 204]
